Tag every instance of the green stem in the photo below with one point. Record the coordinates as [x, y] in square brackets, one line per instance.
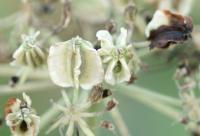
[118, 119]
[7, 71]
[137, 90]
[153, 103]
[46, 118]
[31, 86]
[76, 94]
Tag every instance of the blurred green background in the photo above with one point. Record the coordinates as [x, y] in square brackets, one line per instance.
[141, 119]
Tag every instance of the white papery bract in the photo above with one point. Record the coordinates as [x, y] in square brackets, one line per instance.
[21, 118]
[120, 58]
[75, 63]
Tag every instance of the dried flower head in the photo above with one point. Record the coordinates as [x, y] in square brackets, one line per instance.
[29, 53]
[119, 58]
[74, 115]
[75, 63]
[21, 118]
[167, 28]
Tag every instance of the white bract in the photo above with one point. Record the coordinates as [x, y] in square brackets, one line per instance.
[119, 57]
[75, 63]
[21, 118]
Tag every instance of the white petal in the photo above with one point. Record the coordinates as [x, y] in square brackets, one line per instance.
[70, 129]
[85, 128]
[106, 39]
[124, 74]
[121, 39]
[27, 99]
[158, 20]
[91, 68]
[59, 64]
[109, 75]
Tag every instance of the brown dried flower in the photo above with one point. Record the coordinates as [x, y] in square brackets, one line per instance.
[98, 93]
[168, 28]
[111, 104]
[107, 125]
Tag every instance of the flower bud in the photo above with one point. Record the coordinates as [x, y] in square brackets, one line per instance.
[119, 58]
[29, 54]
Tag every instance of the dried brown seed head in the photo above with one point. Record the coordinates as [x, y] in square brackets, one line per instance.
[168, 28]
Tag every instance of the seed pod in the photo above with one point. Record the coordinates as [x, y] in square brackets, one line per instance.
[75, 63]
